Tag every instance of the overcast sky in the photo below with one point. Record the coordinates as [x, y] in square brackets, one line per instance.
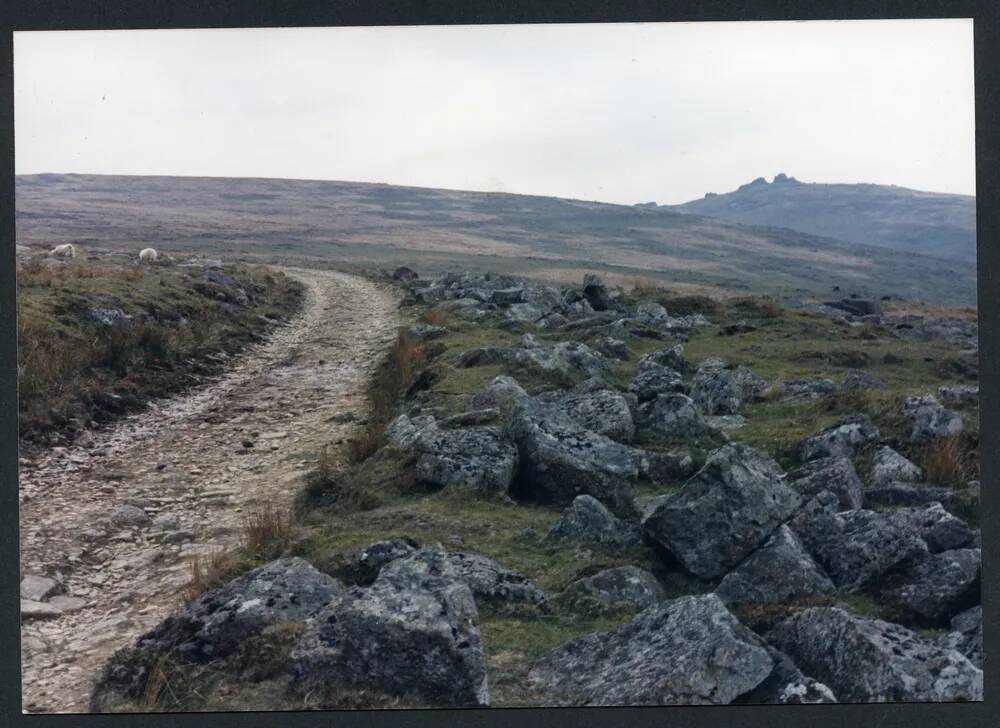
[622, 113]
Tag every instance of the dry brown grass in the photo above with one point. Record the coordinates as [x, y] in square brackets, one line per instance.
[436, 316]
[46, 273]
[156, 682]
[952, 460]
[266, 531]
[759, 306]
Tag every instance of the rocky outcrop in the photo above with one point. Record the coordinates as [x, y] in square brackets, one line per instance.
[778, 572]
[414, 631]
[843, 439]
[561, 460]
[939, 529]
[565, 358]
[586, 519]
[802, 390]
[364, 566]
[725, 512]
[868, 660]
[668, 655]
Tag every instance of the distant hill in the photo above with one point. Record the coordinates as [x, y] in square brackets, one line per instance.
[928, 223]
[434, 230]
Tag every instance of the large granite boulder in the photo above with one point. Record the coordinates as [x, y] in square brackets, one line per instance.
[672, 357]
[565, 358]
[666, 466]
[802, 390]
[477, 457]
[779, 571]
[940, 586]
[889, 466]
[724, 512]
[868, 660]
[363, 566]
[220, 620]
[854, 547]
[586, 519]
[674, 416]
[835, 474]
[843, 439]
[859, 379]
[603, 411]
[561, 460]
[414, 631]
[685, 651]
[930, 419]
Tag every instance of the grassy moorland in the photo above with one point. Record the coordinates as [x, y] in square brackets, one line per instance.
[98, 335]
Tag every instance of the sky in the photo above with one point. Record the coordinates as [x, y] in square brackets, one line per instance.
[624, 113]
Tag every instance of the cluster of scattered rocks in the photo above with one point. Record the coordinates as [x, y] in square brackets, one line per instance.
[852, 517]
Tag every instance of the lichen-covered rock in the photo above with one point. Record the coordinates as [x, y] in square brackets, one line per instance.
[685, 651]
[490, 581]
[674, 416]
[218, 621]
[566, 357]
[779, 571]
[129, 516]
[843, 439]
[868, 660]
[586, 519]
[477, 457]
[801, 390]
[966, 635]
[405, 431]
[363, 567]
[960, 393]
[720, 390]
[671, 357]
[652, 379]
[835, 474]
[889, 466]
[858, 379]
[725, 512]
[938, 587]
[899, 493]
[414, 631]
[620, 585]
[561, 460]
[786, 685]
[854, 547]
[940, 530]
[603, 411]
[665, 466]
[610, 346]
[930, 419]
[503, 391]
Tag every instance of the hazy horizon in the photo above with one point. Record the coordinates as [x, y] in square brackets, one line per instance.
[621, 113]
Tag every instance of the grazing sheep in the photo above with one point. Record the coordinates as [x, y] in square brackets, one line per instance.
[66, 250]
[147, 255]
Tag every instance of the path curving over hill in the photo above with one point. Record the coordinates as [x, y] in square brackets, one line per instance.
[184, 457]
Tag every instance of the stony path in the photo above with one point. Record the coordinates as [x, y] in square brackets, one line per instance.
[184, 458]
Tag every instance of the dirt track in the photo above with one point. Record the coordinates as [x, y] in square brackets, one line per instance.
[184, 458]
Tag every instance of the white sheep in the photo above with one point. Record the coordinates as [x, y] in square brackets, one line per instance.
[66, 250]
[147, 255]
